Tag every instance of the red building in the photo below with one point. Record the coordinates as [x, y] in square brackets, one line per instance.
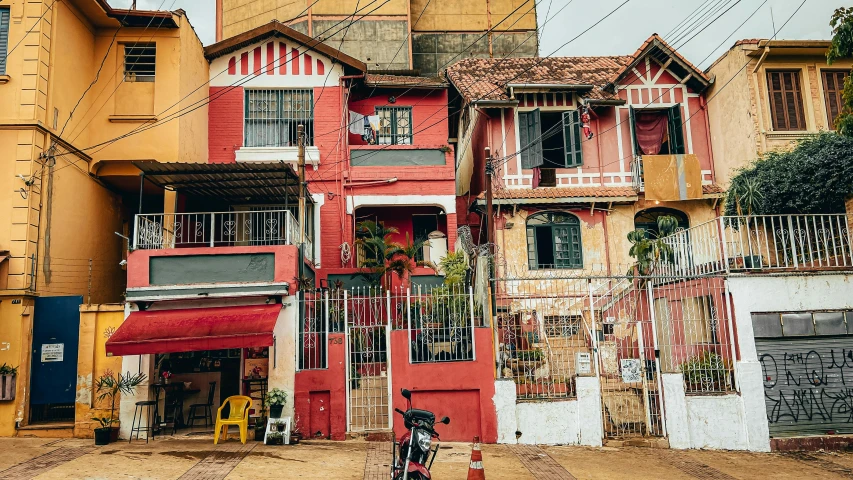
[336, 342]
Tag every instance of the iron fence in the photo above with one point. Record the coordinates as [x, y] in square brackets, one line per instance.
[440, 322]
[214, 229]
[761, 242]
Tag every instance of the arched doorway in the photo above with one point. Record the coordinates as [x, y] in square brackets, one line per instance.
[647, 220]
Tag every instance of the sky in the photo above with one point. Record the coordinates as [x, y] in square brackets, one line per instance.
[560, 21]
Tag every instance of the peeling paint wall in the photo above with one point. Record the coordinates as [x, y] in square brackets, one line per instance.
[97, 324]
[15, 339]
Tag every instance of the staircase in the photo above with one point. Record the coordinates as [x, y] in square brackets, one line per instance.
[369, 404]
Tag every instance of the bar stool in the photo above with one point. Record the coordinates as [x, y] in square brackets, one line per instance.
[142, 427]
[207, 408]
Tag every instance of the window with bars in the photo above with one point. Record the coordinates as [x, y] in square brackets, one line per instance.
[140, 62]
[4, 38]
[786, 100]
[554, 241]
[833, 85]
[395, 125]
[272, 117]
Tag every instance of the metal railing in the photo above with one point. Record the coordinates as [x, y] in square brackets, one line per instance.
[761, 242]
[217, 229]
[440, 322]
[637, 174]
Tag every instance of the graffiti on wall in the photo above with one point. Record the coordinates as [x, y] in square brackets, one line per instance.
[809, 385]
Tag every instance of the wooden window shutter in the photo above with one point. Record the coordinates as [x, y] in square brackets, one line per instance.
[786, 103]
[4, 38]
[530, 139]
[833, 85]
[631, 117]
[676, 130]
[572, 138]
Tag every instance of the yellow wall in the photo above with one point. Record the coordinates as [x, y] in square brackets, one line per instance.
[740, 122]
[59, 213]
[473, 15]
[15, 340]
[239, 16]
[97, 324]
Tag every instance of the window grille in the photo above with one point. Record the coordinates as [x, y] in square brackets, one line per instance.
[140, 62]
[4, 38]
[272, 117]
[395, 125]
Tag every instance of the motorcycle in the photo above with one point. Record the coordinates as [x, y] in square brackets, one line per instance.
[415, 452]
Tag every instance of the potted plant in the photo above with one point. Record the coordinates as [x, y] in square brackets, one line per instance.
[8, 374]
[706, 372]
[166, 375]
[276, 398]
[275, 438]
[108, 387]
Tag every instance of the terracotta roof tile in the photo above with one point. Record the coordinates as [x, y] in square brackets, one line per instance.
[554, 193]
[562, 192]
[748, 41]
[486, 78]
[404, 81]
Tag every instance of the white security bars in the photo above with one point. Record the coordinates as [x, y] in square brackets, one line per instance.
[761, 242]
[216, 229]
[440, 322]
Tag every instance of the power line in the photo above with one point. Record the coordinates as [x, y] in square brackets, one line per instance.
[9, 53]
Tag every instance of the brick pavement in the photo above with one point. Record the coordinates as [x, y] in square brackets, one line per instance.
[693, 468]
[219, 464]
[540, 464]
[38, 465]
[822, 464]
[377, 464]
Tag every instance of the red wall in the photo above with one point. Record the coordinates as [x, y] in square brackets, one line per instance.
[331, 381]
[462, 391]
[225, 123]
[138, 261]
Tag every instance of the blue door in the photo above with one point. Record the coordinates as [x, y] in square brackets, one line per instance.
[53, 376]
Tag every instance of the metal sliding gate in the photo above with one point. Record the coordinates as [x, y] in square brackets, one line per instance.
[367, 314]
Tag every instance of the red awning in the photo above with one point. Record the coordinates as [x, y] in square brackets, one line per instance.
[194, 329]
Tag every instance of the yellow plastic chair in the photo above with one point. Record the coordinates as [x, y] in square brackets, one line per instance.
[238, 415]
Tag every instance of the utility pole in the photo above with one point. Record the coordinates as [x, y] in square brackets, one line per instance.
[490, 217]
[300, 157]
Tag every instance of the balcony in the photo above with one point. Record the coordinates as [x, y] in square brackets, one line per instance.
[769, 243]
[218, 229]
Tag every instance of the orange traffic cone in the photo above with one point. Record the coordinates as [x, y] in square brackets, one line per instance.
[475, 470]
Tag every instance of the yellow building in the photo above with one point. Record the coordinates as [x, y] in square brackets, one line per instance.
[768, 94]
[74, 76]
[422, 35]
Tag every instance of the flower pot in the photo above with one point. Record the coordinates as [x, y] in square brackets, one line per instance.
[114, 434]
[275, 411]
[102, 436]
[7, 387]
[294, 438]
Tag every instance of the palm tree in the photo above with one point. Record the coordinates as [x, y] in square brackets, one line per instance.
[383, 256]
[649, 248]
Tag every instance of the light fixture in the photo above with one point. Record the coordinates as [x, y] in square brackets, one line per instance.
[657, 202]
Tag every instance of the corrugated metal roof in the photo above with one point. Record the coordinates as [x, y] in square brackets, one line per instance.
[234, 182]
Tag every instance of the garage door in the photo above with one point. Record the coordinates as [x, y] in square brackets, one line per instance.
[807, 363]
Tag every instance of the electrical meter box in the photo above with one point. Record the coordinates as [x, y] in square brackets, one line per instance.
[583, 364]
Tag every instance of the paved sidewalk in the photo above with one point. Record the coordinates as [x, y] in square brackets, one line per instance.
[195, 457]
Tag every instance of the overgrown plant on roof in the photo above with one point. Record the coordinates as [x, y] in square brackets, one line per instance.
[842, 47]
[813, 178]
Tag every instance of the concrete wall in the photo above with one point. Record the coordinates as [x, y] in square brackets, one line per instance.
[715, 422]
[282, 366]
[565, 422]
[432, 53]
[753, 294]
[97, 324]
[381, 44]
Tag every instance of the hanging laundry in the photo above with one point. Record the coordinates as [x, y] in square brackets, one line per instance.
[537, 177]
[356, 123]
[587, 130]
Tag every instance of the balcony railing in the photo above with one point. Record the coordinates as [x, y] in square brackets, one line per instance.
[761, 242]
[637, 174]
[218, 229]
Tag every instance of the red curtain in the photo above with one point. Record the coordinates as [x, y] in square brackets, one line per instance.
[651, 129]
